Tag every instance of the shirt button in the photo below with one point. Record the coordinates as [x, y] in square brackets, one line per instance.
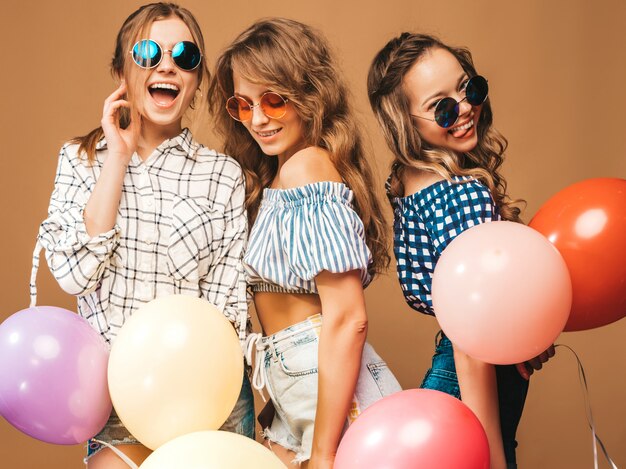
[149, 203]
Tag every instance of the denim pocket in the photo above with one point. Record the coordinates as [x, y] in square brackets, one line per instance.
[383, 377]
[299, 360]
[442, 380]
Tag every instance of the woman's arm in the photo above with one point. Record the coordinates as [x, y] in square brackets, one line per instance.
[479, 391]
[76, 259]
[100, 213]
[344, 320]
[344, 329]
[80, 234]
[462, 206]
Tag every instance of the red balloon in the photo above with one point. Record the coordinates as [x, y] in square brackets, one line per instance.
[586, 222]
[418, 428]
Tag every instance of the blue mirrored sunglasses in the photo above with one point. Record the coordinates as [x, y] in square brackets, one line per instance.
[148, 54]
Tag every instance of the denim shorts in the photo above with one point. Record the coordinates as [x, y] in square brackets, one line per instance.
[241, 420]
[512, 389]
[289, 361]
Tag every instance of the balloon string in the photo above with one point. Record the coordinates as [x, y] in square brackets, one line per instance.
[33, 274]
[119, 453]
[585, 389]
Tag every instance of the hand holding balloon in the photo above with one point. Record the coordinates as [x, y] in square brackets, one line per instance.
[527, 368]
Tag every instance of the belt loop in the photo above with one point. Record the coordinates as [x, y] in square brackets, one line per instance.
[272, 347]
[438, 337]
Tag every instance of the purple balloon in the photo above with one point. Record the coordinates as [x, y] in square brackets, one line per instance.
[53, 375]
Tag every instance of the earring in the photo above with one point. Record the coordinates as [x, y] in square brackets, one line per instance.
[193, 101]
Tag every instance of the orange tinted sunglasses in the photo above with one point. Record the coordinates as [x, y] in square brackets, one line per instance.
[272, 104]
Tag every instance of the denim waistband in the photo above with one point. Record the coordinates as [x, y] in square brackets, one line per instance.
[274, 344]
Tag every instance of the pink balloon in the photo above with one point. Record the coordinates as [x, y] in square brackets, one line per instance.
[501, 292]
[53, 375]
[418, 428]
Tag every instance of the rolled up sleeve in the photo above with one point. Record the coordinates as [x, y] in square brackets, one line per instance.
[76, 259]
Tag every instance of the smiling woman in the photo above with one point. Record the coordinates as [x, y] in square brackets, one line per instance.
[141, 210]
[165, 81]
[434, 112]
[317, 239]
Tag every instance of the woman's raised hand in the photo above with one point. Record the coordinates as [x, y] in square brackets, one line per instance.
[120, 142]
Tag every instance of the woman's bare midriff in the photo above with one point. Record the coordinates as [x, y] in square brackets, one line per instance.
[276, 311]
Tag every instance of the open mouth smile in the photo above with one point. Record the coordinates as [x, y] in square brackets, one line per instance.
[164, 94]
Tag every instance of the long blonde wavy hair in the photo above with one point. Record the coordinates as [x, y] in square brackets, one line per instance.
[294, 60]
[391, 107]
[136, 27]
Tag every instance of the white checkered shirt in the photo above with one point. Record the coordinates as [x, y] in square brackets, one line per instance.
[181, 229]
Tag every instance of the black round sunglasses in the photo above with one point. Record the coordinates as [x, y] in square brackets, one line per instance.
[447, 110]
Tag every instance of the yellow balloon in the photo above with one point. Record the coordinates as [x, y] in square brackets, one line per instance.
[212, 450]
[176, 367]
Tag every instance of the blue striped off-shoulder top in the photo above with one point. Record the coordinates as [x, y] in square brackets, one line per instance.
[302, 231]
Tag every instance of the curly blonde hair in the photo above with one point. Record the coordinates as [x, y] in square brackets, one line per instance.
[294, 60]
[391, 107]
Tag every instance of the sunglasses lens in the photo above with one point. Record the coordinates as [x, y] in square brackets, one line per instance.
[447, 112]
[477, 90]
[147, 53]
[238, 109]
[186, 55]
[273, 105]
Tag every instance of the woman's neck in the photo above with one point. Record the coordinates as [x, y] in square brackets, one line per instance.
[154, 135]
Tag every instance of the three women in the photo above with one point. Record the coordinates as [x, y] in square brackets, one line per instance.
[140, 210]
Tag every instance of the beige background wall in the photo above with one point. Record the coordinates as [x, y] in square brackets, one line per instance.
[557, 73]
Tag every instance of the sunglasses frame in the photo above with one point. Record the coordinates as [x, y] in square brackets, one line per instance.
[457, 104]
[252, 106]
[163, 52]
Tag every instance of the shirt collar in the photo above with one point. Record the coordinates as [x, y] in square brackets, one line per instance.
[183, 142]
[102, 144]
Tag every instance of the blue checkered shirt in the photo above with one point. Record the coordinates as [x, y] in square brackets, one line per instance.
[426, 222]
